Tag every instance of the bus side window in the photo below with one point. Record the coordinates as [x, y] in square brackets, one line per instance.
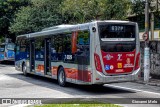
[17, 48]
[39, 49]
[59, 45]
[53, 49]
[23, 46]
[56, 48]
[83, 48]
[67, 48]
[28, 48]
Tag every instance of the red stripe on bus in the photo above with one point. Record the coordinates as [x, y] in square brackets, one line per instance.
[72, 73]
[54, 70]
[82, 75]
[40, 68]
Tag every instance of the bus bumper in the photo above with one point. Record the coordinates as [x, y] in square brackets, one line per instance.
[118, 78]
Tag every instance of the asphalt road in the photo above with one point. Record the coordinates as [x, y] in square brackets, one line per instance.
[14, 85]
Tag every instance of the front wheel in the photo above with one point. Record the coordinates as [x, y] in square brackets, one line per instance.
[24, 69]
[61, 77]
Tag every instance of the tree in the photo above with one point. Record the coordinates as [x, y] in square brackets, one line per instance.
[7, 10]
[42, 14]
[87, 10]
[117, 9]
[79, 11]
[138, 7]
[46, 13]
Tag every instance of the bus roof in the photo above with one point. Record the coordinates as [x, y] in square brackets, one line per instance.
[56, 27]
[66, 28]
[116, 21]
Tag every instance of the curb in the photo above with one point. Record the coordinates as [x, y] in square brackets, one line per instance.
[152, 84]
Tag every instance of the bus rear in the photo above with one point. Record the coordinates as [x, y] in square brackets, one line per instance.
[117, 52]
[10, 54]
[7, 52]
[2, 51]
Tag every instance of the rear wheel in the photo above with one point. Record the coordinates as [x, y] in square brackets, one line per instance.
[24, 69]
[61, 77]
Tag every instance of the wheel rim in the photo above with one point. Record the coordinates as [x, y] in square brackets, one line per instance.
[61, 77]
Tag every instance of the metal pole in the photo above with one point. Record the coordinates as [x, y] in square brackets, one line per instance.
[157, 8]
[147, 20]
[152, 26]
[146, 49]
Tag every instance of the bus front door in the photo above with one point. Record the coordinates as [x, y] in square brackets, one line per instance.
[32, 55]
[47, 56]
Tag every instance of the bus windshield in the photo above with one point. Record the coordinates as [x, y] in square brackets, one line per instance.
[117, 37]
[10, 46]
[2, 47]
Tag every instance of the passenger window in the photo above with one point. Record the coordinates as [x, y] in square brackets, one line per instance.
[73, 47]
[39, 49]
[56, 47]
[23, 46]
[68, 55]
[83, 48]
[17, 48]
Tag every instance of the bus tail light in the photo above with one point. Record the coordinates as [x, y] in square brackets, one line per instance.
[137, 65]
[97, 62]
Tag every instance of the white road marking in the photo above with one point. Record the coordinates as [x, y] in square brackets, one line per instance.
[20, 105]
[131, 89]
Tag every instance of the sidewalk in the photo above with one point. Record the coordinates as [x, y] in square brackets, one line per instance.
[153, 82]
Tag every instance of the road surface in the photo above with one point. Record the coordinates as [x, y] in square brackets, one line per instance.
[13, 84]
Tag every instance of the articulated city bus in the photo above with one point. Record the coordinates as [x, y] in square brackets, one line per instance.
[98, 52]
[7, 51]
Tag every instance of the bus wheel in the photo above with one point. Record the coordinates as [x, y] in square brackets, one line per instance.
[61, 77]
[24, 69]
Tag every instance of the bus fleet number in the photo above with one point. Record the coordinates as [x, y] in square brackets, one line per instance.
[69, 57]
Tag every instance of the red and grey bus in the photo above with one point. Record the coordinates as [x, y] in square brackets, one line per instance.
[97, 52]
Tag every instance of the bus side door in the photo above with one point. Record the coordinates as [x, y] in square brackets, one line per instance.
[32, 55]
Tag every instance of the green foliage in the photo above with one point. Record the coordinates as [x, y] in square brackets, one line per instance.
[89, 104]
[22, 21]
[7, 10]
[41, 14]
[34, 15]
[2, 39]
[87, 10]
[79, 11]
[138, 7]
[117, 9]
